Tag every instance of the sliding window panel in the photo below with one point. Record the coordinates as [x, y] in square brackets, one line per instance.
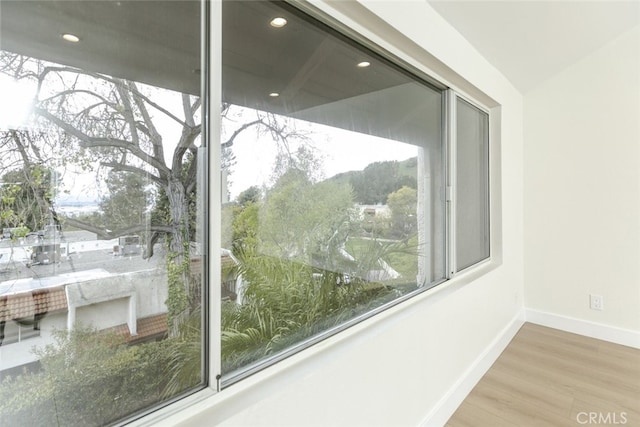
[333, 199]
[102, 192]
[472, 185]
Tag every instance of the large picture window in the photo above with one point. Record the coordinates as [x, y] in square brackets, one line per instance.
[333, 189]
[101, 184]
[150, 250]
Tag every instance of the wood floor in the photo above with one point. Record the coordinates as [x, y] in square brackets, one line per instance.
[547, 377]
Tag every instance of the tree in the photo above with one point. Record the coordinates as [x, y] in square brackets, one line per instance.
[128, 201]
[112, 123]
[403, 205]
[28, 181]
[245, 227]
[26, 198]
[300, 219]
[99, 122]
[379, 179]
[282, 242]
[251, 194]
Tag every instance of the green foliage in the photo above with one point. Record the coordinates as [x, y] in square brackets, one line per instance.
[404, 259]
[127, 202]
[300, 219]
[25, 197]
[299, 281]
[178, 269]
[286, 302]
[373, 184]
[184, 354]
[251, 194]
[19, 232]
[403, 205]
[160, 213]
[402, 256]
[245, 227]
[87, 379]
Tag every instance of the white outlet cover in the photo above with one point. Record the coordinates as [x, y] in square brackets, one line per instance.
[596, 302]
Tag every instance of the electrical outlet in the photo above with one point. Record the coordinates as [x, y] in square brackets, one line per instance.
[596, 302]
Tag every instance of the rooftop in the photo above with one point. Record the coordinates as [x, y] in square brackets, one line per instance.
[32, 303]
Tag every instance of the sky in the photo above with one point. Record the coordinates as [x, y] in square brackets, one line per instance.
[15, 102]
[341, 150]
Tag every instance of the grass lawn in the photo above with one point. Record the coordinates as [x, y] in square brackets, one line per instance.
[401, 256]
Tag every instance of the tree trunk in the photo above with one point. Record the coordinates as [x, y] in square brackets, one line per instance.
[179, 211]
[179, 280]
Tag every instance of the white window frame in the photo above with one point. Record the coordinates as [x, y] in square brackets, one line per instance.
[23, 332]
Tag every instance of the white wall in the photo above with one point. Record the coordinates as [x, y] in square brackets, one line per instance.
[105, 314]
[396, 368]
[21, 353]
[582, 188]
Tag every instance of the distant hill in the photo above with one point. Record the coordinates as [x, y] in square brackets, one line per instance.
[76, 200]
[374, 183]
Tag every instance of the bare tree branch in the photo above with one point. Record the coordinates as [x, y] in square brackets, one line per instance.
[105, 234]
[111, 80]
[94, 142]
[76, 91]
[128, 168]
[189, 134]
[150, 128]
[127, 112]
[196, 106]
[229, 142]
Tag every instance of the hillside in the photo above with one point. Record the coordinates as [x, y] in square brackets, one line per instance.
[375, 182]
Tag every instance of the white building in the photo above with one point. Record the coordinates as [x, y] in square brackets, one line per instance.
[32, 309]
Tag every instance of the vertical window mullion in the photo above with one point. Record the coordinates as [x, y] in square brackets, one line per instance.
[450, 141]
[213, 67]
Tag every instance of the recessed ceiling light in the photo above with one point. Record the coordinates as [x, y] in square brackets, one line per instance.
[274, 94]
[70, 37]
[278, 22]
[364, 64]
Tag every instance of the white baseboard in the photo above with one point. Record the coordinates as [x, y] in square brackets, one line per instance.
[599, 331]
[447, 405]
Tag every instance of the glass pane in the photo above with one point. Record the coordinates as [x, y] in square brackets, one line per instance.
[333, 183]
[100, 256]
[472, 185]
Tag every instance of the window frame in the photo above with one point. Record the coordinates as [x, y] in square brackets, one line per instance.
[217, 392]
[451, 100]
[24, 331]
[450, 95]
[335, 28]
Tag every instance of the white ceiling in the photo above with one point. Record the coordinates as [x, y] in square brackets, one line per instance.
[530, 41]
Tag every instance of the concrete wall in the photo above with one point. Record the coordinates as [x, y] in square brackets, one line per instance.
[105, 302]
[582, 189]
[103, 315]
[407, 365]
[152, 290]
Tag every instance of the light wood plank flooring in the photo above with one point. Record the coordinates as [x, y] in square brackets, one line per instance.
[547, 377]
